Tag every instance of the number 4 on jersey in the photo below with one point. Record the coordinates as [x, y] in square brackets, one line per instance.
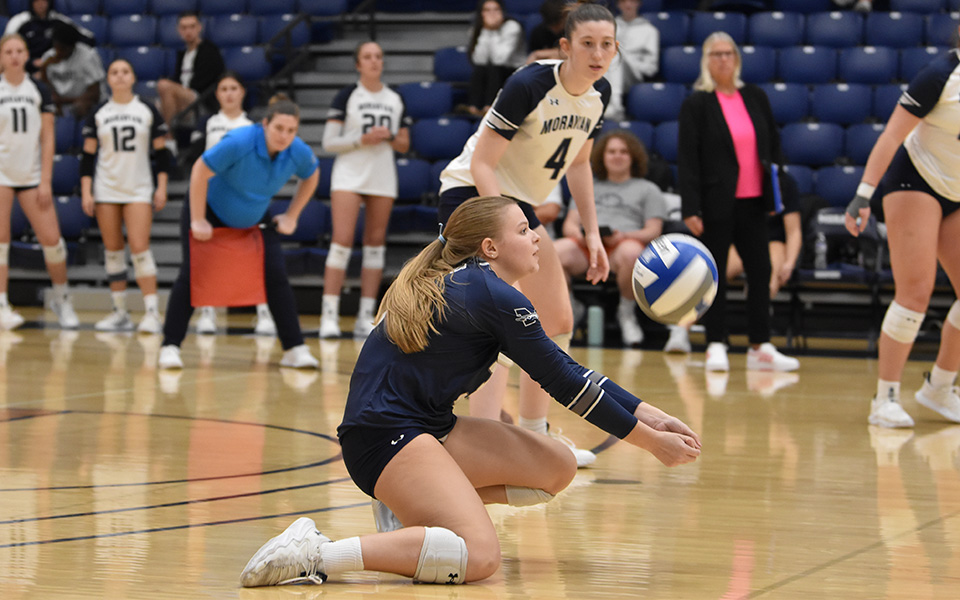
[559, 158]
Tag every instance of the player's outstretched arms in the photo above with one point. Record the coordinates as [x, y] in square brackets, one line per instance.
[661, 421]
[670, 448]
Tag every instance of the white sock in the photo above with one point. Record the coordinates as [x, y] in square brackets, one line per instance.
[342, 556]
[330, 307]
[888, 390]
[263, 310]
[940, 378]
[60, 292]
[4, 303]
[367, 306]
[150, 303]
[119, 301]
[534, 425]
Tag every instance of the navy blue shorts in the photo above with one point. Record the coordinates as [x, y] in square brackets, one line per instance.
[454, 197]
[901, 175]
[368, 450]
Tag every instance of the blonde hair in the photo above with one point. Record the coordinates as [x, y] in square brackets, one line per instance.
[705, 82]
[414, 302]
[13, 36]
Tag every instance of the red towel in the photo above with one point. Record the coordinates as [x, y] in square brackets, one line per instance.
[227, 270]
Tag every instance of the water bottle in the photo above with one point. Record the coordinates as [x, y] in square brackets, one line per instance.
[595, 323]
[820, 252]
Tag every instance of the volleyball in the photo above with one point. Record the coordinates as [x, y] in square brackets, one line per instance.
[675, 279]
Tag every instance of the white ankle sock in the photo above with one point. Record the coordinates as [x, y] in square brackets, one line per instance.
[150, 303]
[941, 378]
[367, 306]
[3, 300]
[534, 425]
[60, 292]
[888, 390]
[263, 310]
[342, 556]
[330, 307]
[119, 301]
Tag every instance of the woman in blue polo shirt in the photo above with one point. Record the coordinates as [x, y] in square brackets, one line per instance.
[232, 185]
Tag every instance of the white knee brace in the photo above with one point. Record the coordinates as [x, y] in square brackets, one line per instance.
[953, 317]
[443, 557]
[338, 257]
[115, 262]
[524, 496]
[143, 264]
[4, 254]
[55, 254]
[902, 324]
[373, 257]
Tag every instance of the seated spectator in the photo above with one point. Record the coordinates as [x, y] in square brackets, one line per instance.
[639, 55]
[863, 6]
[545, 37]
[36, 27]
[199, 65]
[74, 72]
[496, 50]
[630, 212]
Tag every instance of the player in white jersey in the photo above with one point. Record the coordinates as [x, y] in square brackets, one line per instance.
[26, 170]
[230, 93]
[919, 153]
[541, 126]
[116, 181]
[365, 126]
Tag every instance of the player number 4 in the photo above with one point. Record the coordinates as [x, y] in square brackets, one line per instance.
[559, 158]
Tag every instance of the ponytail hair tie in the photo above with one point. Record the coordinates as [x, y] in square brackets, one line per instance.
[443, 240]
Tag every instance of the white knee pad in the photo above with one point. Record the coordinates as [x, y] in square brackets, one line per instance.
[55, 254]
[953, 317]
[374, 257]
[4, 254]
[563, 340]
[115, 262]
[524, 496]
[443, 557]
[338, 257]
[902, 324]
[143, 264]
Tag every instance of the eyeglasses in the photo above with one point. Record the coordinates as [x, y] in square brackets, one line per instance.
[722, 54]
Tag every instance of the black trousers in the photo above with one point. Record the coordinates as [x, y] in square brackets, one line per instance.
[746, 229]
[280, 298]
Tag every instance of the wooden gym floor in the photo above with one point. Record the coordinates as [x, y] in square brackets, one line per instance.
[117, 481]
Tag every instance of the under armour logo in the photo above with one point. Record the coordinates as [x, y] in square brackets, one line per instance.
[394, 442]
[554, 101]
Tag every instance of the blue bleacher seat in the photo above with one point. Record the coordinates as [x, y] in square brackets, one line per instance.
[413, 180]
[521, 7]
[106, 55]
[249, 62]
[271, 25]
[665, 140]
[885, 98]
[656, 102]
[812, 144]
[758, 64]
[953, 5]
[776, 29]
[146, 90]
[843, 103]
[272, 7]
[869, 64]
[66, 174]
[313, 223]
[114, 8]
[4, 19]
[148, 62]
[917, 6]
[80, 7]
[641, 129]
[323, 8]
[434, 139]
[835, 29]
[790, 101]
[674, 27]
[941, 30]
[210, 8]
[859, 141]
[65, 133]
[894, 29]
[160, 8]
[17, 6]
[426, 99]
[803, 176]
[74, 223]
[132, 30]
[803, 6]
[704, 23]
[232, 30]
[323, 186]
[435, 169]
[838, 185]
[167, 34]
[680, 64]
[914, 59]
[808, 64]
[96, 24]
[452, 64]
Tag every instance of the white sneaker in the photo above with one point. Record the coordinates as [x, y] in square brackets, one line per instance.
[384, 517]
[299, 357]
[585, 458]
[888, 413]
[679, 340]
[170, 357]
[291, 557]
[767, 358]
[207, 321]
[115, 321]
[717, 357]
[329, 328]
[363, 327]
[65, 313]
[630, 332]
[150, 323]
[10, 319]
[265, 324]
[944, 400]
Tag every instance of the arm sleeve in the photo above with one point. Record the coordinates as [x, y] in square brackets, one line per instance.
[335, 140]
[158, 128]
[90, 125]
[924, 91]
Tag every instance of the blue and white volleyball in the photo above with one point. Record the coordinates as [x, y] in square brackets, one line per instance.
[675, 279]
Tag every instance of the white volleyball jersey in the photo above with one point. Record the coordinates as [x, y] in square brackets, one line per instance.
[20, 111]
[219, 124]
[934, 96]
[546, 126]
[124, 134]
[367, 169]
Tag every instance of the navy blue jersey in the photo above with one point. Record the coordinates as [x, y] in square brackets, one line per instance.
[484, 316]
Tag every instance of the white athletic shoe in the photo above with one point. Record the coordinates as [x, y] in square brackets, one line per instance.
[10, 319]
[207, 321]
[717, 357]
[299, 357]
[630, 332]
[291, 557]
[767, 358]
[585, 458]
[150, 323]
[363, 327]
[944, 400]
[65, 314]
[265, 324]
[888, 413]
[115, 321]
[679, 340]
[170, 357]
[384, 517]
[329, 328]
